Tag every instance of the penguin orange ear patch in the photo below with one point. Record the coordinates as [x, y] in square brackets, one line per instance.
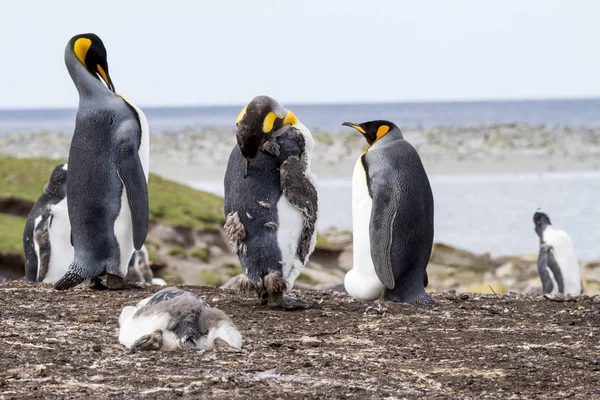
[81, 47]
[381, 131]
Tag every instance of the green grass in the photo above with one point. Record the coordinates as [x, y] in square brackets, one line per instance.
[201, 253]
[211, 278]
[177, 251]
[170, 202]
[305, 278]
[11, 233]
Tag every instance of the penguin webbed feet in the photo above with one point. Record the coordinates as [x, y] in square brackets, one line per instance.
[151, 341]
[116, 282]
[423, 299]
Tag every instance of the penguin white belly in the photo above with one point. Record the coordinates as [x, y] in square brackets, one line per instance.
[132, 328]
[59, 234]
[564, 254]
[288, 232]
[123, 229]
[361, 281]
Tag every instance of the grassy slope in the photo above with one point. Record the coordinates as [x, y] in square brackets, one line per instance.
[170, 202]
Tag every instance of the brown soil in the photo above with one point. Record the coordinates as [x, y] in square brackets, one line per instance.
[64, 345]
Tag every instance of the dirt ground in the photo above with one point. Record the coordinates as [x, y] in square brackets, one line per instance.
[64, 345]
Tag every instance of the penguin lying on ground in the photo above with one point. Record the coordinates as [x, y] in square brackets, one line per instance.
[173, 318]
[271, 200]
[108, 159]
[47, 232]
[557, 263]
[392, 218]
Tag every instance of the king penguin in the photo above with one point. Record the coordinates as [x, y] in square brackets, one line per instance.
[46, 229]
[392, 217]
[271, 201]
[108, 171]
[176, 319]
[557, 263]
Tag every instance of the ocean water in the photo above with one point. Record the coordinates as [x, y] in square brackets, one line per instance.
[583, 112]
[487, 213]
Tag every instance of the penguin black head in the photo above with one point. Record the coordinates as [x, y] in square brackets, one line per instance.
[541, 221]
[262, 117]
[90, 51]
[374, 130]
[57, 184]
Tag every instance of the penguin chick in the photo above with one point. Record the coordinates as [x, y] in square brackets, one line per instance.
[139, 270]
[557, 263]
[47, 229]
[392, 218]
[175, 319]
[271, 202]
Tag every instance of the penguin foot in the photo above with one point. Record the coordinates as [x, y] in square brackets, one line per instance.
[421, 300]
[278, 301]
[116, 282]
[152, 341]
[97, 284]
[222, 345]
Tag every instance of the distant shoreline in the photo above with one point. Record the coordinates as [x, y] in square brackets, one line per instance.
[476, 149]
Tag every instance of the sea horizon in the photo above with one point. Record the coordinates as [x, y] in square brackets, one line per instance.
[579, 112]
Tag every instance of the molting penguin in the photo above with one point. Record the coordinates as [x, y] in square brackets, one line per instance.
[45, 231]
[557, 263]
[173, 318]
[392, 216]
[108, 171]
[271, 200]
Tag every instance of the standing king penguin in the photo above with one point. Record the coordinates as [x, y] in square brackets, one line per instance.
[107, 188]
[392, 216]
[46, 229]
[271, 201]
[557, 263]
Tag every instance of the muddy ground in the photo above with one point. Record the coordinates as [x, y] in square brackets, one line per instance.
[64, 345]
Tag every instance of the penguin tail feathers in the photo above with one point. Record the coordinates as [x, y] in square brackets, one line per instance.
[69, 280]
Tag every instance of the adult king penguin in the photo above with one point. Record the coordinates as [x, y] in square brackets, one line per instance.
[557, 263]
[271, 200]
[108, 171]
[392, 216]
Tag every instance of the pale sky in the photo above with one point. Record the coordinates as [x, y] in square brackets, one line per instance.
[192, 52]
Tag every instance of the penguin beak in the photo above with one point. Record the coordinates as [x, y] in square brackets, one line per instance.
[106, 78]
[357, 127]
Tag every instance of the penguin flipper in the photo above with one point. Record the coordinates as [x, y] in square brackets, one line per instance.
[134, 181]
[301, 194]
[550, 263]
[383, 214]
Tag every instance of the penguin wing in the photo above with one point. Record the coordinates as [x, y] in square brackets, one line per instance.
[547, 264]
[301, 193]
[383, 215]
[547, 285]
[132, 174]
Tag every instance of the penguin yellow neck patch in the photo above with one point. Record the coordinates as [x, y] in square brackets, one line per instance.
[382, 131]
[268, 122]
[81, 47]
[241, 115]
